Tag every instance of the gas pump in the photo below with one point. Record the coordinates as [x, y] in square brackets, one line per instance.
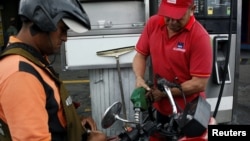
[219, 17]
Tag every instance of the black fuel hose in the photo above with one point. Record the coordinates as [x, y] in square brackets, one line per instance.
[226, 60]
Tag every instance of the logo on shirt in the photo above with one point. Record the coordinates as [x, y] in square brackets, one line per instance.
[180, 47]
[171, 1]
[68, 101]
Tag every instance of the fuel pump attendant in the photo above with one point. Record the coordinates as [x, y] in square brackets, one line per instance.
[34, 106]
[180, 51]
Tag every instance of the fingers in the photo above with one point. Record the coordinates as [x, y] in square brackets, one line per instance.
[155, 95]
[89, 123]
[150, 96]
[92, 125]
[146, 87]
[140, 82]
[113, 138]
[97, 136]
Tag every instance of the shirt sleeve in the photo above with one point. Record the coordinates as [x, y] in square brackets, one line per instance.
[23, 103]
[201, 57]
[143, 44]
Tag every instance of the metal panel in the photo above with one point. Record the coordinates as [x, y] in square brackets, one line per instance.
[80, 52]
[213, 89]
[104, 88]
[237, 57]
[122, 14]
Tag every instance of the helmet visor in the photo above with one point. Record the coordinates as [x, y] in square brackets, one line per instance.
[75, 26]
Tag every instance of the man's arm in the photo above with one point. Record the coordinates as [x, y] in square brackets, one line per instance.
[139, 67]
[194, 85]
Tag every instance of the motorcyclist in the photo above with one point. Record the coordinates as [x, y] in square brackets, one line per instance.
[34, 104]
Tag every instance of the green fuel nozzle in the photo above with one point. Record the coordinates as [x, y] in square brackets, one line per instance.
[138, 98]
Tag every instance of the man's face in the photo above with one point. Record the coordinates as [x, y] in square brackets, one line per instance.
[176, 25]
[59, 36]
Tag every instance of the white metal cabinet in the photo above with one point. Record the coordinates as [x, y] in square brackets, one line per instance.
[80, 52]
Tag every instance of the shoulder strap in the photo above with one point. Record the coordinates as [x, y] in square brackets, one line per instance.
[4, 131]
[74, 128]
[31, 54]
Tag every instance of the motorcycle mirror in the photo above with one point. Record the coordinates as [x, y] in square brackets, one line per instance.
[109, 116]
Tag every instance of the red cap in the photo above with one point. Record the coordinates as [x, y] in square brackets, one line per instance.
[174, 8]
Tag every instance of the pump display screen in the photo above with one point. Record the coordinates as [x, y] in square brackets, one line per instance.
[212, 8]
[218, 7]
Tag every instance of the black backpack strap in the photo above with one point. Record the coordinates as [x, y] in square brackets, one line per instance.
[4, 131]
[32, 54]
[53, 122]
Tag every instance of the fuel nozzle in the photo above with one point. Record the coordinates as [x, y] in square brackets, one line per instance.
[139, 101]
[138, 98]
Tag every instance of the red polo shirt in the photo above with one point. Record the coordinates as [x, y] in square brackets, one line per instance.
[186, 54]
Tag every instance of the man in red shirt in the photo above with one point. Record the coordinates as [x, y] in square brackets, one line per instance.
[180, 51]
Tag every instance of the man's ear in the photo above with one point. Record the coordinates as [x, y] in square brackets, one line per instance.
[192, 10]
[34, 29]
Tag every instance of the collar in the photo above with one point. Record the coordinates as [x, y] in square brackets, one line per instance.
[14, 39]
[190, 23]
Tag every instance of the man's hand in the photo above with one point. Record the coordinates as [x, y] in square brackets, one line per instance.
[97, 136]
[89, 123]
[155, 95]
[140, 82]
[93, 133]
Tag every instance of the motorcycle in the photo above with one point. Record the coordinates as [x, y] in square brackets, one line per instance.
[189, 125]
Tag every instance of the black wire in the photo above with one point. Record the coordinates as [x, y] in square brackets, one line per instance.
[53, 60]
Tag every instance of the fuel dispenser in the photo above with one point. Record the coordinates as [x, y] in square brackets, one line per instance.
[219, 17]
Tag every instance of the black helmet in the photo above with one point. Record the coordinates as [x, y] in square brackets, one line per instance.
[47, 13]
